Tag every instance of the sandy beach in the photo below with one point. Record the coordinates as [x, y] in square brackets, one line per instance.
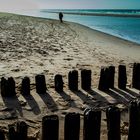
[31, 46]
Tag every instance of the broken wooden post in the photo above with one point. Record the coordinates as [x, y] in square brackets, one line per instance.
[73, 80]
[92, 125]
[58, 83]
[12, 134]
[111, 76]
[104, 79]
[50, 127]
[86, 79]
[2, 137]
[122, 77]
[72, 126]
[11, 86]
[136, 76]
[113, 123]
[25, 89]
[138, 116]
[8, 87]
[134, 121]
[22, 130]
[40, 84]
[4, 87]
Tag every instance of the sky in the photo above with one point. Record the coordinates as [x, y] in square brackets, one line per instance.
[69, 4]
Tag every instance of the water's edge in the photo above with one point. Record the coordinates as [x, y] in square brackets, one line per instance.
[90, 21]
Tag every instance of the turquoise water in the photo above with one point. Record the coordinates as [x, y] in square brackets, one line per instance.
[129, 12]
[124, 27]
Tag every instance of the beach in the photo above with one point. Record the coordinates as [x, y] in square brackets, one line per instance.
[31, 46]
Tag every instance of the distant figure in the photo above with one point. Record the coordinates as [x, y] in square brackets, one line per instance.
[61, 17]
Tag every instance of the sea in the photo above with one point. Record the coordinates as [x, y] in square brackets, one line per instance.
[124, 23]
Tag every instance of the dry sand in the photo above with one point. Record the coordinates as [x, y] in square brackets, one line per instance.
[30, 46]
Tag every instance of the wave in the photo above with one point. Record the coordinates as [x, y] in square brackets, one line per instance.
[91, 12]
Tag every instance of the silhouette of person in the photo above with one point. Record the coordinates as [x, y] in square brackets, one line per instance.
[61, 17]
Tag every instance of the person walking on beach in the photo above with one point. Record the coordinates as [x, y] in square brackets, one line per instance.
[61, 17]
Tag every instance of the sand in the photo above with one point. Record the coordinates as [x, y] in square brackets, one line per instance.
[31, 46]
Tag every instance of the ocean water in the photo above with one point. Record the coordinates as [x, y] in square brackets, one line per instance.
[130, 12]
[108, 21]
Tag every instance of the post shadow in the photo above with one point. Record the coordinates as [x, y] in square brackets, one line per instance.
[83, 97]
[48, 100]
[132, 92]
[67, 98]
[32, 103]
[126, 95]
[13, 102]
[117, 96]
[96, 95]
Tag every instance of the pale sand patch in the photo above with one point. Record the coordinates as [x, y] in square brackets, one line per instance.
[30, 46]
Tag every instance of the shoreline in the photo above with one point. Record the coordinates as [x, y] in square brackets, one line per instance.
[102, 32]
[76, 23]
[96, 14]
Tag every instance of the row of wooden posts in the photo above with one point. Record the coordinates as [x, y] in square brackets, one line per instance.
[106, 81]
[91, 127]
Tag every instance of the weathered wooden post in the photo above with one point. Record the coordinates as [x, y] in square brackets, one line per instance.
[73, 80]
[25, 89]
[111, 76]
[138, 121]
[134, 121]
[113, 123]
[122, 77]
[2, 137]
[4, 87]
[59, 83]
[104, 79]
[12, 135]
[50, 127]
[136, 76]
[22, 130]
[11, 86]
[92, 125]
[40, 84]
[72, 126]
[8, 87]
[86, 79]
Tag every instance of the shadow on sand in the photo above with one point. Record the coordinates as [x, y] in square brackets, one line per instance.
[12, 103]
[67, 98]
[48, 100]
[32, 103]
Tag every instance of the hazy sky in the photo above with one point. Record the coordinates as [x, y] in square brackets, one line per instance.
[91, 4]
[102, 4]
